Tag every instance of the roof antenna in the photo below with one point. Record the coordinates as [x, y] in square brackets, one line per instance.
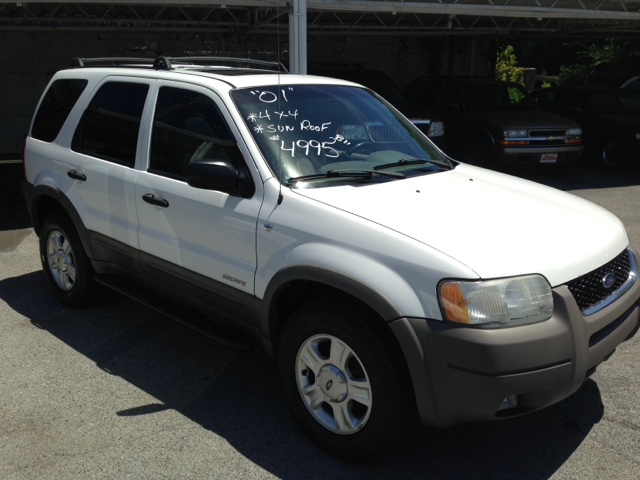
[279, 106]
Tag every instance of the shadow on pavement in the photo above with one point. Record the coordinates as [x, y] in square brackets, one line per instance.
[13, 213]
[237, 397]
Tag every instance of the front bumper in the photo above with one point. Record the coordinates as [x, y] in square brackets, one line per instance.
[529, 155]
[463, 374]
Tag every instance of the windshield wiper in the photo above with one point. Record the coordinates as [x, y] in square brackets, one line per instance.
[411, 161]
[347, 172]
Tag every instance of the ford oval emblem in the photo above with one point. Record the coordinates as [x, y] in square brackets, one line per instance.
[608, 280]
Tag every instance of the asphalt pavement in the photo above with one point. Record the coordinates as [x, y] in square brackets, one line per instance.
[117, 391]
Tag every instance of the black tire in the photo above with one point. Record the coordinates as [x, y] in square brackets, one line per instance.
[614, 155]
[378, 360]
[73, 290]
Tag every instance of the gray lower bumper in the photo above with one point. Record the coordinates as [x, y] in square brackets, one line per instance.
[530, 155]
[462, 374]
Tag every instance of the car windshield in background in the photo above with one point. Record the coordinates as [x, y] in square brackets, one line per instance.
[313, 131]
[613, 101]
[480, 98]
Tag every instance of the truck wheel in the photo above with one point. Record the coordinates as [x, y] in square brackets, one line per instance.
[345, 380]
[614, 154]
[64, 261]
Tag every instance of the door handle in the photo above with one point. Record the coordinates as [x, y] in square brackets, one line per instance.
[76, 176]
[149, 198]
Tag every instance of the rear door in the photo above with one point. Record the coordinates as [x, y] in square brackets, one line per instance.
[98, 172]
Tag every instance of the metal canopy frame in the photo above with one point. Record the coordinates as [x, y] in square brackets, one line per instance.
[333, 17]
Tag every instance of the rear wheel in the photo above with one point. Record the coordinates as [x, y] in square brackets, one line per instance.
[64, 261]
[345, 380]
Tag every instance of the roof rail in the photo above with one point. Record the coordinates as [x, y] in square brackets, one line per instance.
[167, 63]
[217, 61]
[78, 62]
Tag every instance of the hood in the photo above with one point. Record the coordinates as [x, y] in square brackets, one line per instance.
[494, 224]
[623, 121]
[522, 119]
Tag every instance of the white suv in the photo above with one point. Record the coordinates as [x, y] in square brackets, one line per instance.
[388, 280]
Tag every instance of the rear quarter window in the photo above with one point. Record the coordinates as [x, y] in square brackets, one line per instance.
[55, 108]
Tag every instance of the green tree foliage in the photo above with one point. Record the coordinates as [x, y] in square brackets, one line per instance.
[507, 66]
[598, 60]
[608, 61]
[507, 69]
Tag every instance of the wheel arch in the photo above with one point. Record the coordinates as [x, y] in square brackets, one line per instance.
[295, 285]
[483, 134]
[44, 200]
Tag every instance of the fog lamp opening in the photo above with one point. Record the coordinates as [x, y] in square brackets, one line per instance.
[510, 402]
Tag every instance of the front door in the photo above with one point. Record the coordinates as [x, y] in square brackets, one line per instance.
[200, 238]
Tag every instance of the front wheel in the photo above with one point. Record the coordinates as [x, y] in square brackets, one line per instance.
[64, 261]
[345, 380]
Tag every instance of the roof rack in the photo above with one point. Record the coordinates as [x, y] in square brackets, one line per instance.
[167, 63]
[109, 61]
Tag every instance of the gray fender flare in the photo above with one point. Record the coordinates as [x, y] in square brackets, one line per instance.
[334, 278]
[40, 191]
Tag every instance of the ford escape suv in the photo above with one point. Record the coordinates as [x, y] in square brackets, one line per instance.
[307, 214]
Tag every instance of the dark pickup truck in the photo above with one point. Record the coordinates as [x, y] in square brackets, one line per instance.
[490, 121]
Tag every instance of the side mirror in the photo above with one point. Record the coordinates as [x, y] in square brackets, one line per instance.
[220, 175]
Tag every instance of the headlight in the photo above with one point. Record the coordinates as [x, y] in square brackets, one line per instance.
[497, 303]
[572, 132]
[436, 129]
[638, 136]
[515, 133]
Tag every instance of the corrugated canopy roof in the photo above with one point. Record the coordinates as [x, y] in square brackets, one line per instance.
[416, 17]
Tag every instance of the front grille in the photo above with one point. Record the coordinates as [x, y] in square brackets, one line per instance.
[547, 133]
[423, 127]
[384, 134]
[589, 290]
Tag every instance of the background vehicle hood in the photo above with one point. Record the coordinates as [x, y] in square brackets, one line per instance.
[625, 121]
[522, 119]
[495, 224]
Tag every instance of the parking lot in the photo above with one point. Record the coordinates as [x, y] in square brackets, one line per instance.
[118, 391]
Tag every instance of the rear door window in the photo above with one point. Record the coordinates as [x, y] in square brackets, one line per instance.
[55, 108]
[111, 123]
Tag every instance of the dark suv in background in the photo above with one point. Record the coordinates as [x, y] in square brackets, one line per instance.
[610, 119]
[490, 121]
[429, 123]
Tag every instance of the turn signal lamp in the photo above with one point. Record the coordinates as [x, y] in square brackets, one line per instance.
[497, 303]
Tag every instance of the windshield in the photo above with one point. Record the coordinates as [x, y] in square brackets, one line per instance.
[480, 98]
[311, 130]
[614, 101]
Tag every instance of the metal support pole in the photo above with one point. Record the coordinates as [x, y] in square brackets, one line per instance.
[298, 37]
